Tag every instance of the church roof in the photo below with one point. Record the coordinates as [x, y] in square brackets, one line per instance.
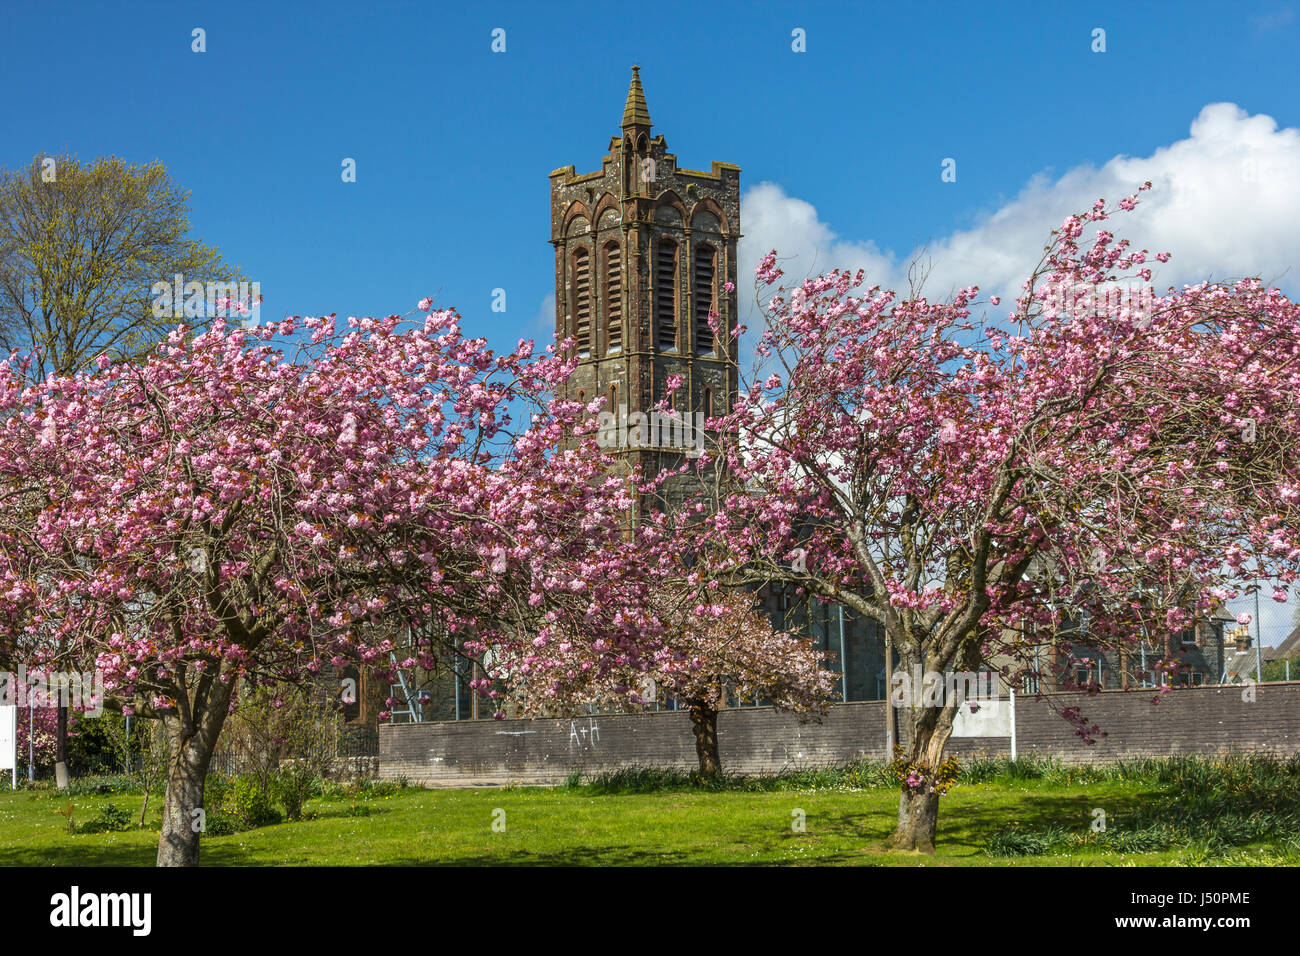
[636, 113]
[1290, 647]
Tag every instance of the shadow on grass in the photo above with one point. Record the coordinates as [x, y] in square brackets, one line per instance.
[88, 854]
[967, 818]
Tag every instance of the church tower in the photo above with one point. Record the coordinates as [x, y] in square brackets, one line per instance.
[643, 252]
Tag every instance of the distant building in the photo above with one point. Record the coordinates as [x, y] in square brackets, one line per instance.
[1203, 654]
[1288, 650]
[1240, 661]
[855, 644]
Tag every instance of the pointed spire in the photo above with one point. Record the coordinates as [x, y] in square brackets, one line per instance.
[636, 113]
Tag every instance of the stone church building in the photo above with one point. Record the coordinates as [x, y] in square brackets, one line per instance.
[644, 251]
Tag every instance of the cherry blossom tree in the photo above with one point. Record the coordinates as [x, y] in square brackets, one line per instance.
[728, 649]
[1101, 453]
[714, 645]
[38, 729]
[262, 504]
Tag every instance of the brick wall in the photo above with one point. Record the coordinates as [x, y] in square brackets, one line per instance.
[1205, 720]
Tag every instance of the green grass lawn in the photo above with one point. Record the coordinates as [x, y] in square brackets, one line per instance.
[562, 826]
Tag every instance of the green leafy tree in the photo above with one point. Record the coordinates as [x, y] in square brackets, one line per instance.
[285, 738]
[81, 246]
[141, 747]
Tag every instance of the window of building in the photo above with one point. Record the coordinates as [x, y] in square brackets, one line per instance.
[666, 294]
[613, 298]
[582, 301]
[705, 262]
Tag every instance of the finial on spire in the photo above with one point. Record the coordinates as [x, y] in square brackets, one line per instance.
[636, 113]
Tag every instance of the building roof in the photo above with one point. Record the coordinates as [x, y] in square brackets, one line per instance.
[1240, 665]
[636, 113]
[1288, 649]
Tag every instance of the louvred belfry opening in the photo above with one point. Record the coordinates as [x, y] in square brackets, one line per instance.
[666, 294]
[704, 269]
[582, 301]
[613, 297]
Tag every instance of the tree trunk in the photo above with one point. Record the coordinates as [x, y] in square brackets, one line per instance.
[62, 779]
[704, 720]
[190, 746]
[187, 770]
[918, 808]
[918, 819]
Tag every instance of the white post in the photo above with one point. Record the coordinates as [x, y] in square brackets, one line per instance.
[1012, 706]
[1259, 639]
[9, 741]
[844, 669]
[890, 723]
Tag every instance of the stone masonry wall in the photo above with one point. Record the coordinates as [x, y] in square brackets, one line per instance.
[1203, 720]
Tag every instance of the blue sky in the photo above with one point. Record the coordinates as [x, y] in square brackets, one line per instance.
[840, 146]
[453, 142]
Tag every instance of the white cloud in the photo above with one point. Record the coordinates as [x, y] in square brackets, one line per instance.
[1225, 203]
[543, 322]
[1274, 20]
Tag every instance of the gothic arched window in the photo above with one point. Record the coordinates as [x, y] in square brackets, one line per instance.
[629, 167]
